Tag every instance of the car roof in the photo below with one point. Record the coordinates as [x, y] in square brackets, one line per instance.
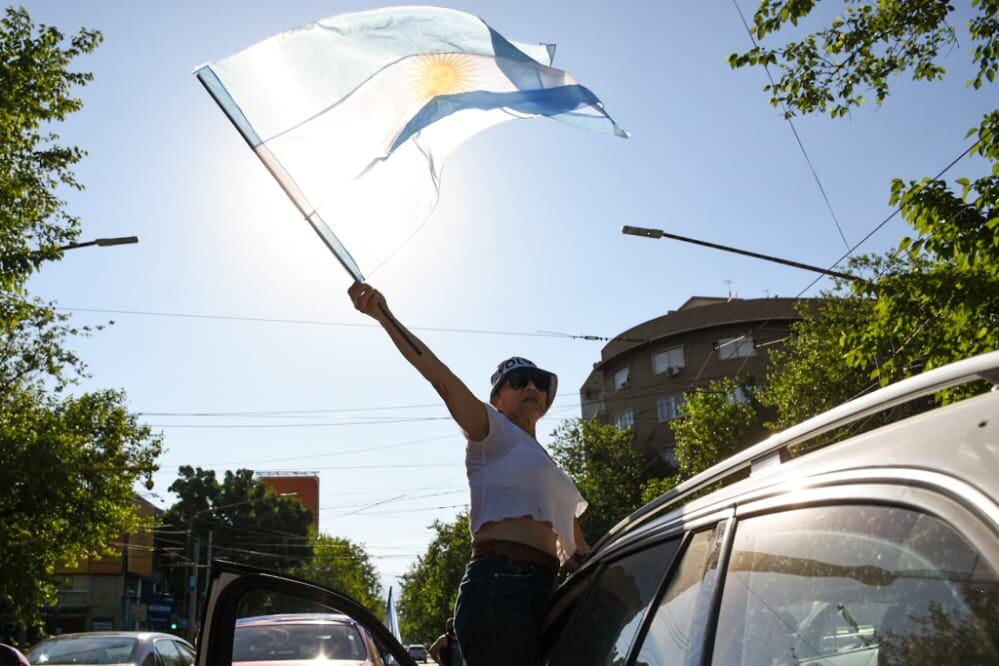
[140, 635]
[295, 618]
[117, 634]
[960, 440]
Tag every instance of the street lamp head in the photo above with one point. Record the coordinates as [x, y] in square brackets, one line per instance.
[101, 242]
[124, 240]
[642, 231]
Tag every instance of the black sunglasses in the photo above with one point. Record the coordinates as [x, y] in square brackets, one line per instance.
[517, 379]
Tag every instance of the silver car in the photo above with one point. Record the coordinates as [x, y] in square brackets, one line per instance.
[812, 547]
[137, 648]
[817, 546]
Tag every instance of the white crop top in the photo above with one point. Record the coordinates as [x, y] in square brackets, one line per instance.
[510, 476]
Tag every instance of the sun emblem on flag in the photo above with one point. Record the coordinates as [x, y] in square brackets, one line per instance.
[442, 74]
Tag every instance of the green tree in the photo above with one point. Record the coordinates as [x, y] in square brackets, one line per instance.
[934, 299]
[430, 587]
[718, 421]
[67, 468]
[344, 566]
[809, 373]
[863, 48]
[606, 467]
[37, 91]
[247, 522]
[67, 464]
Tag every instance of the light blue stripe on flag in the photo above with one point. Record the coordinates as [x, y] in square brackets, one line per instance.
[545, 102]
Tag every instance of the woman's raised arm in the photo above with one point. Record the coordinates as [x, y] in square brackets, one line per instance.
[467, 410]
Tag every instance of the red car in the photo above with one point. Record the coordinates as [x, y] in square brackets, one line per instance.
[282, 640]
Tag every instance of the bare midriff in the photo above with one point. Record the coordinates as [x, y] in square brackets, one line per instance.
[525, 530]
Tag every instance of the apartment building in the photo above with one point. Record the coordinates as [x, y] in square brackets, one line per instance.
[643, 374]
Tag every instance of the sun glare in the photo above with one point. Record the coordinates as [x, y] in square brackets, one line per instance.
[441, 74]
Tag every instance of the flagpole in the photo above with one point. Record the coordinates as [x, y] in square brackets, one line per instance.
[399, 329]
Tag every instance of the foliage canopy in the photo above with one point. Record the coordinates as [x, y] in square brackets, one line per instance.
[605, 465]
[430, 588]
[248, 522]
[344, 566]
[67, 464]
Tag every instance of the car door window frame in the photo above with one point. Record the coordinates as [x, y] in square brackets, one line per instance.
[940, 495]
[593, 577]
[166, 659]
[228, 586]
[185, 651]
[703, 629]
[914, 490]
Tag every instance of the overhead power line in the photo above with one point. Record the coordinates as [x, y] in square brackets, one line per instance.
[312, 322]
[873, 231]
[794, 131]
[386, 421]
[342, 467]
[889, 218]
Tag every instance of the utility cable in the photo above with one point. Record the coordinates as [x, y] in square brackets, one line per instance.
[887, 219]
[387, 421]
[873, 231]
[794, 130]
[308, 322]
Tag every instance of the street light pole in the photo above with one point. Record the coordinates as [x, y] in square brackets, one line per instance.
[659, 233]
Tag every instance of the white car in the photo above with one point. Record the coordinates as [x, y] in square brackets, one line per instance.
[418, 653]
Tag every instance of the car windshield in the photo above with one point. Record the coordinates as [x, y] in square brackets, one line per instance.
[83, 650]
[298, 642]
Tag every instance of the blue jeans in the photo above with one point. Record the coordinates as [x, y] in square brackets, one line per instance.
[499, 610]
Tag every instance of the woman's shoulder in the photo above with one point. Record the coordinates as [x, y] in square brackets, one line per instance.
[501, 429]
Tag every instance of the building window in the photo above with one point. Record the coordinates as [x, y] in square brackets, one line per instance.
[625, 420]
[737, 396]
[620, 379]
[668, 361]
[739, 347]
[670, 407]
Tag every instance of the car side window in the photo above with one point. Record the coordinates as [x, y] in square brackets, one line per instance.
[168, 653]
[856, 584]
[187, 655]
[675, 634]
[605, 622]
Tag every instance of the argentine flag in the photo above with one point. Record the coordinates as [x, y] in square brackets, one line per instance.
[355, 115]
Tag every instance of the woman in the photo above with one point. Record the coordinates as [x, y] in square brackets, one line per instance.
[524, 509]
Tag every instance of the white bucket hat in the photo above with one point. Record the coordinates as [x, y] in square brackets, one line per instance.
[515, 363]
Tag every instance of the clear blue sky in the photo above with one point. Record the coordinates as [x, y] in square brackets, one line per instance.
[526, 237]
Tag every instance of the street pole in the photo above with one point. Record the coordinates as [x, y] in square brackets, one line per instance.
[659, 233]
[190, 572]
[208, 564]
[192, 611]
[124, 585]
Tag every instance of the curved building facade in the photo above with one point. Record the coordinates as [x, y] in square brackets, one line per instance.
[643, 374]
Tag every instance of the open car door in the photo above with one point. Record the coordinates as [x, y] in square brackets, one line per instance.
[254, 617]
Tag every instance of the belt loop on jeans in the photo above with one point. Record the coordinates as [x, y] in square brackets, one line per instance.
[515, 552]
